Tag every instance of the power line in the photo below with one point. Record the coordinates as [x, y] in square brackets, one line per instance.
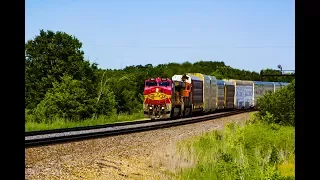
[193, 47]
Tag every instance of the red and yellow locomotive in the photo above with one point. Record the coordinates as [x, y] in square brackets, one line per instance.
[157, 98]
[165, 98]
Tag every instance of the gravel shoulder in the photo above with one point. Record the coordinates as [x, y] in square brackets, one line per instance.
[143, 155]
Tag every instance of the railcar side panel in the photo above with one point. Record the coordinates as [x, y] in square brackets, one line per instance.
[276, 86]
[197, 94]
[283, 84]
[196, 91]
[260, 89]
[206, 89]
[213, 93]
[221, 95]
[279, 85]
[229, 94]
[243, 94]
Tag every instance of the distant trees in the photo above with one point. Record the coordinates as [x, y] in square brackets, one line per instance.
[276, 78]
[59, 82]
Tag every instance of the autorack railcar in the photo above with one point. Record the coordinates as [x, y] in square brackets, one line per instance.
[243, 93]
[208, 93]
[260, 89]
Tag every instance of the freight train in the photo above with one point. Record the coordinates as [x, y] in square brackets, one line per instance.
[195, 93]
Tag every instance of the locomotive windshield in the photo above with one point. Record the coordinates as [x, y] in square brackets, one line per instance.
[151, 83]
[164, 84]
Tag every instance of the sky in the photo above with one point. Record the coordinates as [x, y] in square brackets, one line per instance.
[244, 34]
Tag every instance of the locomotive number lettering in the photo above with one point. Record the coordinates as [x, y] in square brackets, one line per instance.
[157, 96]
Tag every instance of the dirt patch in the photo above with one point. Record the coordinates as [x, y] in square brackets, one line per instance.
[144, 155]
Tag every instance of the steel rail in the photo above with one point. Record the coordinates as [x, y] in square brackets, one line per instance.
[125, 123]
[99, 132]
[51, 131]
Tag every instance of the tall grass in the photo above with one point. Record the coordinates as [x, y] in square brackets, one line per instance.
[254, 151]
[64, 123]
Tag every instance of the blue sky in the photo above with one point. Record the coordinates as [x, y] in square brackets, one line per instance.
[245, 34]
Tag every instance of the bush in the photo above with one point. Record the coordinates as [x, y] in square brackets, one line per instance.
[278, 107]
[69, 99]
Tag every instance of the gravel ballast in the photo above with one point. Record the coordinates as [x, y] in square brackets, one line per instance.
[143, 155]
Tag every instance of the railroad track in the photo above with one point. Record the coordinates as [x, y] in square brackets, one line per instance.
[40, 138]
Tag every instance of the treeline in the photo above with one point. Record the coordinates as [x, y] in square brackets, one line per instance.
[60, 83]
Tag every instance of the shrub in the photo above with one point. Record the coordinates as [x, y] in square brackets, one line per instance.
[69, 99]
[278, 107]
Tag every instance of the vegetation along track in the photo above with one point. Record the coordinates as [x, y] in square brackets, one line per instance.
[39, 138]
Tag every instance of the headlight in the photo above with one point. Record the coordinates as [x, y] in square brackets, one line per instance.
[150, 107]
[162, 108]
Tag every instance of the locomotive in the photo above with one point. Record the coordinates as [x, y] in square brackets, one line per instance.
[157, 98]
[165, 98]
[196, 93]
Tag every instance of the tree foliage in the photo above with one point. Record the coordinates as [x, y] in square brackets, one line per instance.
[279, 107]
[49, 56]
[276, 78]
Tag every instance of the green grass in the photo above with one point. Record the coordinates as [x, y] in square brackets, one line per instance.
[63, 123]
[254, 151]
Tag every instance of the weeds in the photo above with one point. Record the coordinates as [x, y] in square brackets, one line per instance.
[254, 151]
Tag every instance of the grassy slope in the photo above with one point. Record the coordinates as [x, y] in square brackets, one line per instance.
[254, 151]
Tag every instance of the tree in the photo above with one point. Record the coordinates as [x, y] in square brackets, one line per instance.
[49, 56]
[127, 93]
